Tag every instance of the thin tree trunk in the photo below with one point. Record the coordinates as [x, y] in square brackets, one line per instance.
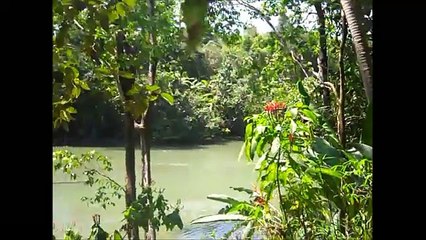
[323, 57]
[341, 112]
[123, 85]
[146, 131]
[361, 46]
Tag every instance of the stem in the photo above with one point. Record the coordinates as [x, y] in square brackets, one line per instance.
[278, 184]
[109, 179]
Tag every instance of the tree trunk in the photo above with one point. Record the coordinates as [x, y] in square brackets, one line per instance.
[341, 112]
[361, 46]
[124, 85]
[146, 131]
[323, 58]
[133, 231]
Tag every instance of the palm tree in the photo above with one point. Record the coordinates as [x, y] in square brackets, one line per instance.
[361, 47]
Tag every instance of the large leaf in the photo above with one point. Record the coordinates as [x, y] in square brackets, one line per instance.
[241, 189]
[169, 98]
[364, 149]
[219, 217]
[275, 146]
[327, 171]
[320, 145]
[302, 91]
[222, 198]
[152, 88]
[293, 127]
[367, 131]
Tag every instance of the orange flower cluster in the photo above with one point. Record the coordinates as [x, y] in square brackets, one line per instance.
[274, 106]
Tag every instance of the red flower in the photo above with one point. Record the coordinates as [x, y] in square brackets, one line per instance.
[274, 106]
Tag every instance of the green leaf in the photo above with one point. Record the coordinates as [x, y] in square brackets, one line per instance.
[130, 3]
[83, 84]
[249, 153]
[76, 92]
[113, 15]
[152, 88]
[367, 131]
[126, 74]
[121, 9]
[103, 70]
[320, 145]
[241, 189]
[260, 145]
[293, 112]
[169, 98]
[117, 236]
[222, 198]
[310, 115]
[261, 160]
[219, 217]
[64, 115]
[328, 171]
[71, 110]
[249, 131]
[302, 91]
[70, 74]
[275, 146]
[293, 127]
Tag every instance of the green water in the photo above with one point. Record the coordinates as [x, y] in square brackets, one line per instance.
[189, 174]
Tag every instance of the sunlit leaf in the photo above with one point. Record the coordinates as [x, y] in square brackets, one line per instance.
[169, 98]
[117, 236]
[130, 3]
[121, 9]
[275, 146]
[71, 110]
[152, 88]
[293, 127]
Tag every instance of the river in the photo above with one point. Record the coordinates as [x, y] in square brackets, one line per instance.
[187, 173]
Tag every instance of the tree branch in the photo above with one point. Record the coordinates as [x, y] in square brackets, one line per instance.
[109, 179]
[281, 39]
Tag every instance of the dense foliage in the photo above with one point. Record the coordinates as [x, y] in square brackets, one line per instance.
[309, 186]
[212, 81]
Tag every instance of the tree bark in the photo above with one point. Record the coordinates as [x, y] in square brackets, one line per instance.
[361, 47]
[323, 57]
[124, 85]
[341, 111]
[146, 131]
